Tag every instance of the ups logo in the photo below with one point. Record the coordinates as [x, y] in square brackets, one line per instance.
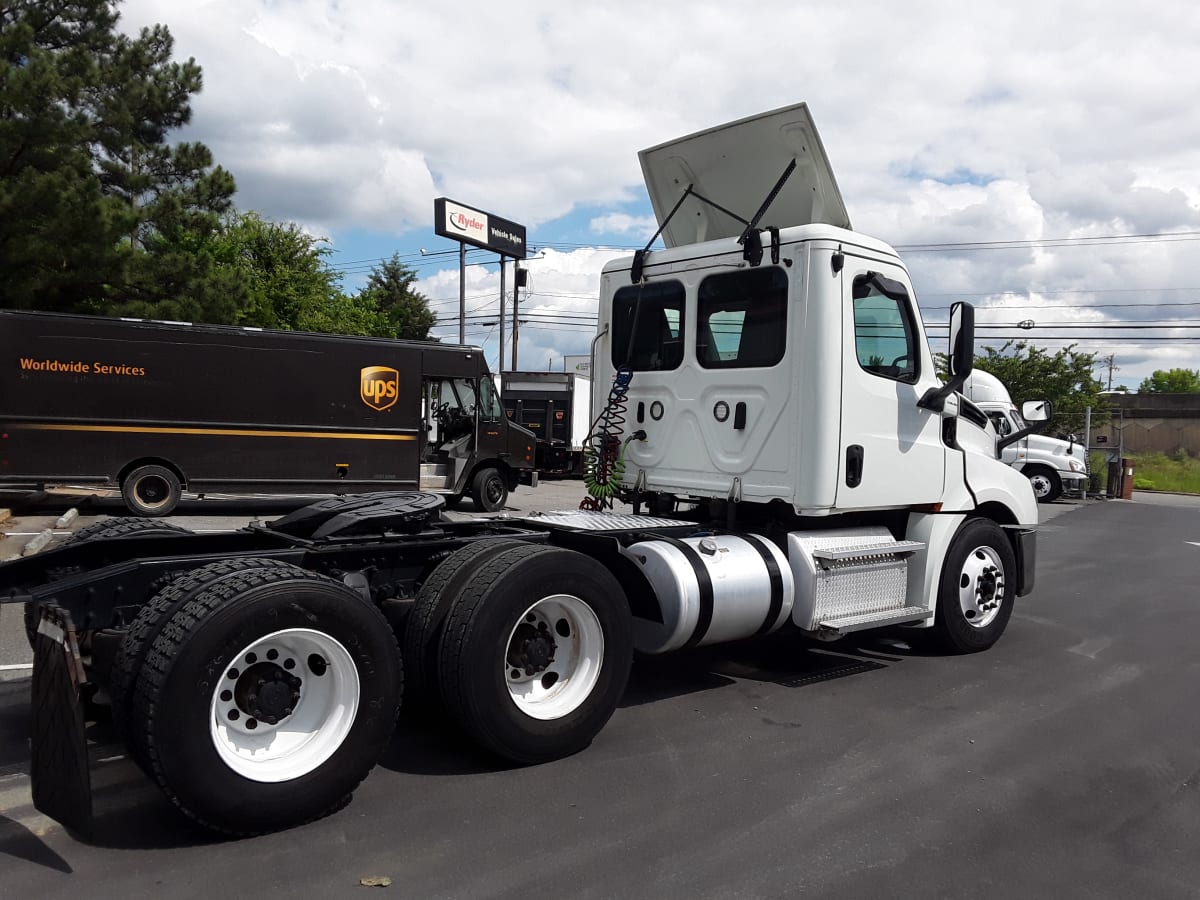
[379, 387]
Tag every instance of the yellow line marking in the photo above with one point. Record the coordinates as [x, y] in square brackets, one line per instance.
[224, 432]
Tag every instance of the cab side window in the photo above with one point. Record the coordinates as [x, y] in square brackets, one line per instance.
[742, 319]
[1000, 421]
[884, 332]
[648, 326]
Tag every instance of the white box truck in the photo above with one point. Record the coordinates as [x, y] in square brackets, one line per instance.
[768, 385]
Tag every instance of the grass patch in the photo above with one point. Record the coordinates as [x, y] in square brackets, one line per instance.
[1160, 472]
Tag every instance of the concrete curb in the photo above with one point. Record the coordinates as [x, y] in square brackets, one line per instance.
[65, 520]
[38, 543]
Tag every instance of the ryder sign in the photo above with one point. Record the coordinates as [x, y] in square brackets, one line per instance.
[472, 226]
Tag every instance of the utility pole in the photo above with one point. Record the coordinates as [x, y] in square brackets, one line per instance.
[520, 279]
[1111, 362]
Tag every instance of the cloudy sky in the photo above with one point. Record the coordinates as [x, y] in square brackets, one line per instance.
[1021, 139]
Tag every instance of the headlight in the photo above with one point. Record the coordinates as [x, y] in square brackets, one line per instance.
[1076, 465]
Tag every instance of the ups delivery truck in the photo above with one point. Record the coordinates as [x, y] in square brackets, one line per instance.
[156, 408]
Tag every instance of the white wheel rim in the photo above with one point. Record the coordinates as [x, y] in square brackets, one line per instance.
[981, 587]
[553, 657]
[1041, 485]
[156, 480]
[313, 716]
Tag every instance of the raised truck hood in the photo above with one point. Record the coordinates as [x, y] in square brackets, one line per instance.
[736, 166]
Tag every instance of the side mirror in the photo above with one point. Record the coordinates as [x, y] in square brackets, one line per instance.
[962, 358]
[1032, 411]
[1036, 410]
[962, 341]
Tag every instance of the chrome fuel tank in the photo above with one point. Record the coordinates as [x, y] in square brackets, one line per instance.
[712, 589]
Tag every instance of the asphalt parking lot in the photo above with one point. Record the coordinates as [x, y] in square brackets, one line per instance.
[1065, 762]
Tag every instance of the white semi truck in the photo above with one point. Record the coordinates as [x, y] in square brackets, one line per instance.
[763, 383]
[1052, 465]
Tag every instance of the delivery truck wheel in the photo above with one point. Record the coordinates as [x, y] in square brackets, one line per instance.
[149, 622]
[151, 491]
[423, 631]
[489, 490]
[977, 590]
[536, 653]
[1045, 482]
[266, 699]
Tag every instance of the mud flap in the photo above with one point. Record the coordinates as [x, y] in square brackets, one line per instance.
[61, 780]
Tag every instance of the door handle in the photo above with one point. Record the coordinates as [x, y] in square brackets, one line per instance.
[854, 465]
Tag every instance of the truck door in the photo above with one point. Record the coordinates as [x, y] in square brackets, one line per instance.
[891, 450]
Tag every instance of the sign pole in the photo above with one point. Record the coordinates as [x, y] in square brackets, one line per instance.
[462, 292]
[500, 357]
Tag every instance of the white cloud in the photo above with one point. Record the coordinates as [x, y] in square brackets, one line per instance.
[943, 122]
[622, 223]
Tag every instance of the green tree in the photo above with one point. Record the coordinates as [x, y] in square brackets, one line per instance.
[404, 312]
[1171, 381]
[97, 210]
[282, 271]
[1063, 377]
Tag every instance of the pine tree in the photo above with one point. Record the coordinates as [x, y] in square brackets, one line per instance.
[98, 211]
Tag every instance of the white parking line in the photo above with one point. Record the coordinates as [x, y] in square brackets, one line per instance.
[17, 667]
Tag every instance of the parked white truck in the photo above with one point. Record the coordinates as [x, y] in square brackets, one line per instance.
[767, 388]
[1051, 465]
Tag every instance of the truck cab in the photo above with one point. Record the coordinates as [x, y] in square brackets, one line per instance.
[768, 372]
[792, 374]
[1052, 465]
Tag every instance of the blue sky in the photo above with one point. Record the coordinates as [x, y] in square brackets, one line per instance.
[1053, 128]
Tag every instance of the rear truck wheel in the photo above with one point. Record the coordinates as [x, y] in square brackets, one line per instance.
[452, 500]
[977, 590]
[266, 699]
[116, 527]
[1045, 482]
[423, 631]
[536, 653]
[151, 491]
[489, 490]
[148, 624]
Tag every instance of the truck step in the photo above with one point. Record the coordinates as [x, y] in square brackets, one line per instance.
[849, 577]
[902, 616]
[436, 477]
[865, 554]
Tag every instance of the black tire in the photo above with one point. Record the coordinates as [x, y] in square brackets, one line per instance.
[489, 490]
[1047, 486]
[200, 647]
[117, 527]
[475, 652]
[452, 500]
[423, 632]
[149, 622]
[151, 491]
[125, 526]
[979, 545]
